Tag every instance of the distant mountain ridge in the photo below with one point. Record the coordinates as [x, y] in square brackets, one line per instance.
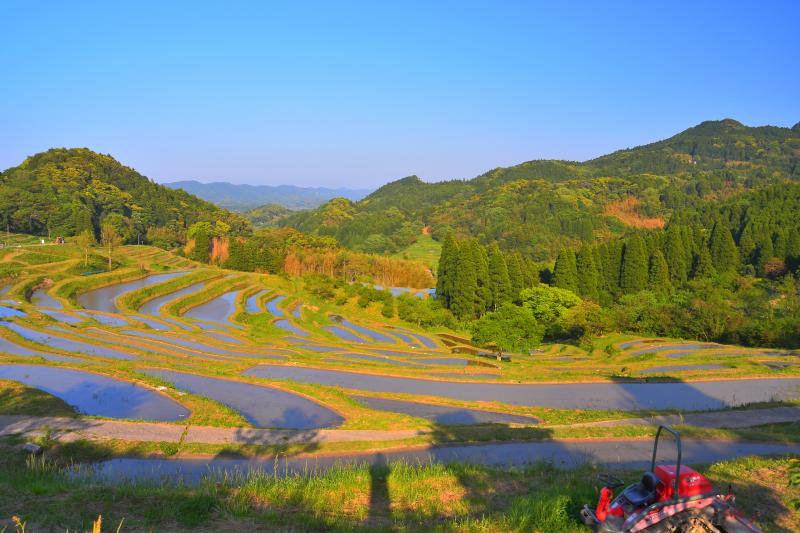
[242, 197]
[541, 205]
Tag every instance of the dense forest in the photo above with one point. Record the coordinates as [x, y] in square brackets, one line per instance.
[726, 272]
[538, 206]
[64, 192]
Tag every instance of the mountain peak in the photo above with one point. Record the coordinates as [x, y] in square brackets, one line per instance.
[716, 127]
[796, 127]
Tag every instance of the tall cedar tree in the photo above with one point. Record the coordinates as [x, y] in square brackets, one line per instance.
[658, 278]
[588, 277]
[499, 280]
[515, 277]
[675, 254]
[763, 255]
[465, 285]
[633, 277]
[447, 269]
[565, 272]
[724, 254]
[611, 264]
[703, 265]
[747, 244]
[483, 294]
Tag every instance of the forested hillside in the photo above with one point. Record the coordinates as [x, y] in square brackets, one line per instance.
[538, 206]
[266, 215]
[726, 272]
[64, 192]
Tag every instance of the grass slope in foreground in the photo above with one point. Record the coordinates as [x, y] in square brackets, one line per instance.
[391, 497]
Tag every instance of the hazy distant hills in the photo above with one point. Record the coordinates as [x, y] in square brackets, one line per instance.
[246, 197]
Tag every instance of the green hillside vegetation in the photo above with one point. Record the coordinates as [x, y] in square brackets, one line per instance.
[726, 273]
[424, 249]
[64, 192]
[266, 215]
[538, 206]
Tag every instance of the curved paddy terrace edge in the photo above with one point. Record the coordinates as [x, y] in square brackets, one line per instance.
[118, 381]
[320, 405]
[626, 396]
[641, 380]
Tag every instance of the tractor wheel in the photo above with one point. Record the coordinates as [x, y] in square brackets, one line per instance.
[693, 523]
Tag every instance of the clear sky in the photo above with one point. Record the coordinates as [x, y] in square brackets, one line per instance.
[356, 94]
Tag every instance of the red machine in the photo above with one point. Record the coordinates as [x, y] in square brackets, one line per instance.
[670, 498]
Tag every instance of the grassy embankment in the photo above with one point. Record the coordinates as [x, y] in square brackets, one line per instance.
[392, 497]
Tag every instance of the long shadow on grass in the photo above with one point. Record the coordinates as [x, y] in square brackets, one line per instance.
[540, 497]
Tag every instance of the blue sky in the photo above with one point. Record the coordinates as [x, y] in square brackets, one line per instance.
[356, 94]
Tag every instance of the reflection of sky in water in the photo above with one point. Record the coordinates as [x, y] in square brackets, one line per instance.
[443, 414]
[272, 305]
[9, 312]
[217, 310]
[106, 320]
[152, 307]
[97, 395]
[262, 406]
[622, 395]
[41, 298]
[629, 454]
[291, 328]
[252, 305]
[69, 345]
[12, 348]
[61, 317]
[344, 334]
[207, 348]
[384, 360]
[103, 299]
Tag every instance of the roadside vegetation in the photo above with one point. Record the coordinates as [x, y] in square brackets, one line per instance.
[388, 497]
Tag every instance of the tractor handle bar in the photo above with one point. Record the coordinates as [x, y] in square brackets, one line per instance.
[677, 436]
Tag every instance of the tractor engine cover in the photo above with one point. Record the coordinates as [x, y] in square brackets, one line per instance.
[691, 483]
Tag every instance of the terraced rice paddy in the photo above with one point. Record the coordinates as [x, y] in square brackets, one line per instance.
[97, 395]
[442, 414]
[262, 406]
[252, 305]
[153, 307]
[563, 454]
[41, 298]
[104, 299]
[264, 352]
[218, 310]
[608, 396]
[55, 340]
[272, 306]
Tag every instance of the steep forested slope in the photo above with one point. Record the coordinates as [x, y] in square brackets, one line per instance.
[66, 191]
[537, 206]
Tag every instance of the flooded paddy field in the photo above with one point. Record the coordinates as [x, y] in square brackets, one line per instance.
[623, 395]
[97, 395]
[262, 406]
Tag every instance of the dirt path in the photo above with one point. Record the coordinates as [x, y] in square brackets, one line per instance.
[72, 428]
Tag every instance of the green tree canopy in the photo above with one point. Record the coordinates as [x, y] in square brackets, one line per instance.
[511, 328]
